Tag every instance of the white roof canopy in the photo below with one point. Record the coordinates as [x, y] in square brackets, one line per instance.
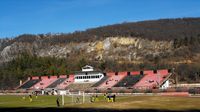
[87, 68]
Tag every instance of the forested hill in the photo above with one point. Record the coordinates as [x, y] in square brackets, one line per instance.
[163, 29]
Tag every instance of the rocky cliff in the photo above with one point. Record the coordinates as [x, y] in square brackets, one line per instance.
[116, 48]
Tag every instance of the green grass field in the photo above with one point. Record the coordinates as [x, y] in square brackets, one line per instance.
[122, 102]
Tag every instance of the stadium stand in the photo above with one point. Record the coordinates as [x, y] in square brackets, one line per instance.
[29, 84]
[57, 82]
[129, 80]
[148, 79]
[113, 79]
[45, 81]
[66, 83]
[151, 79]
[101, 81]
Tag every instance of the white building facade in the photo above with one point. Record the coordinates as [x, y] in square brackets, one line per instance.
[88, 75]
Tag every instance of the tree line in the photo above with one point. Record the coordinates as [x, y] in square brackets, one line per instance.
[26, 65]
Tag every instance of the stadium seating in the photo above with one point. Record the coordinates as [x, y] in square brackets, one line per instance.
[129, 80]
[66, 83]
[163, 72]
[151, 79]
[45, 81]
[29, 84]
[113, 79]
[57, 82]
[101, 81]
[137, 79]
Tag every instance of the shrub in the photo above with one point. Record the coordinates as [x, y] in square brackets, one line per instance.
[87, 91]
[121, 91]
[178, 89]
[134, 91]
[98, 91]
[109, 91]
[148, 91]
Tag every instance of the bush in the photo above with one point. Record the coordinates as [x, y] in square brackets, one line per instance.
[148, 91]
[109, 91]
[135, 91]
[192, 91]
[121, 91]
[163, 90]
[98, 91]
[87, 91]
[178, 89]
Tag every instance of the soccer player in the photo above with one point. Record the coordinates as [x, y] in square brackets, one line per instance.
[77, 100]
[104, 95]
[96, 99]
[23, 97]
[36, 96]
[91, 99]
[114, 96]
[30, 98]
[108, 98]
[58, 102]
[111, 98]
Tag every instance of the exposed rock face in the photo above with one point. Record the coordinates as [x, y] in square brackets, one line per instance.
[118, 48]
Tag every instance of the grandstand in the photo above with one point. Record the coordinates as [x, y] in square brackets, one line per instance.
[66, 82]
[88, 79]
[129, 80]
[152, 79]
[29, 83]
[113, 79]
[44, 82]
[101, 81]
[57, 82]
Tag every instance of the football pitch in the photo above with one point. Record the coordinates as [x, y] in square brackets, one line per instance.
[122, 102]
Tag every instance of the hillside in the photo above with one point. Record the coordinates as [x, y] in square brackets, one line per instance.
[163, 29]
[165, 43]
